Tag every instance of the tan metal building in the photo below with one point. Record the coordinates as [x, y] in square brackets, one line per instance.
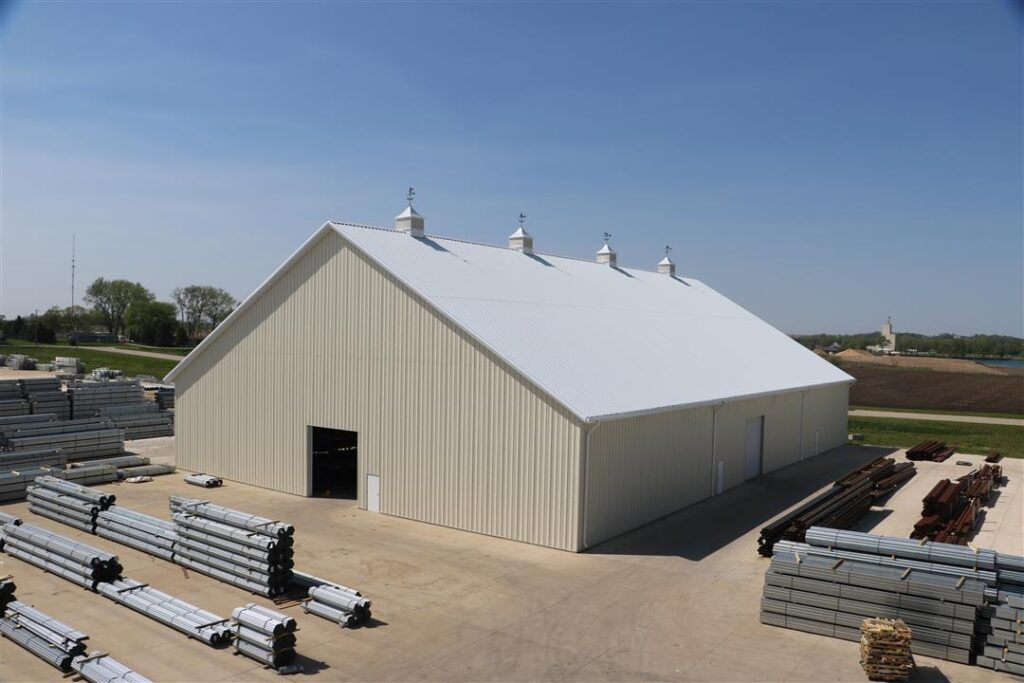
[539, 398]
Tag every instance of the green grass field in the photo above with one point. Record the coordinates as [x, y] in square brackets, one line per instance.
[129, 365]
[971, 438]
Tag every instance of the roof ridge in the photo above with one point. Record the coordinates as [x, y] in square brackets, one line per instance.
[485, 244]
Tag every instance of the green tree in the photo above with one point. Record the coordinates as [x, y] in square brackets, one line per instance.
[153, 323]
[113, 300]
[202, 307]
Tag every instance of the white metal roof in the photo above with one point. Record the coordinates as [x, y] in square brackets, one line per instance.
[602, 341]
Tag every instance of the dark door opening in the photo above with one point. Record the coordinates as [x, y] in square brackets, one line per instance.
[335, 460]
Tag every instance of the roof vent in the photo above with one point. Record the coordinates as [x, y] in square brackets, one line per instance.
[409, 221]
[605, 254]
[667, 266]
[521, 240]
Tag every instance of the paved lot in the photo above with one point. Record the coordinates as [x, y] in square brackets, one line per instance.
[935, 417]
[676, 600]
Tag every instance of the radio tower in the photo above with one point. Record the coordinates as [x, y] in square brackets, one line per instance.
[74, 328]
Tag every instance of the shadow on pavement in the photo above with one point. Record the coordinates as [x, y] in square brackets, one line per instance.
[705, 527]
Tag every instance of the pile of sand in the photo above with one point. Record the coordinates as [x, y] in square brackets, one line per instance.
[858, 357]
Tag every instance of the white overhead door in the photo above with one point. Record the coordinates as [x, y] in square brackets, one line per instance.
[754, 450]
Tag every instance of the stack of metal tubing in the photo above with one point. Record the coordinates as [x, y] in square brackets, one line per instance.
[142, 532]
[341, 604]
[20, 468]
[936, 451]
[960, 603]
[178, 614]
[54, 642]
[254, 553]
[89, 397]
[207, 481]
[143, 420]
[68, 502]
[78, 438]
[102, 668]
[45, 395]
[264, 635]
[101, 572]
[840, 507]
[77, 562]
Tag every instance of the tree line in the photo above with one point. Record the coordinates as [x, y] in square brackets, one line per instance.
[122, 307]
[954, 346]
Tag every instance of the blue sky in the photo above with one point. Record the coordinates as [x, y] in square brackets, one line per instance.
[825, 164]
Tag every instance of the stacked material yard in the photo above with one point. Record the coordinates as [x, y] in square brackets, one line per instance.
[340, 604]
[840, 507]
[254, 553]
[68, 502]
[935, 451]
[19, 468]
[88, 398]
[140, 420]
[950, 596]
[101, 572]
[102, 668]
[105, 373]
[885, 650]
[78, 438]
[44, 396]
[952, 511]
[264, 635]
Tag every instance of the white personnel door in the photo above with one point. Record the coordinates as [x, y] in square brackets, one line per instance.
[755, 443]
[372, 493]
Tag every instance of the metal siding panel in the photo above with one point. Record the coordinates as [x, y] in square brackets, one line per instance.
[825, 412]
[457, 438]
[643, 468]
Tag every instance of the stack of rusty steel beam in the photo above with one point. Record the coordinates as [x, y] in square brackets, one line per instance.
[840, 507]
[952, 511]
[994, 457]
[935, 451]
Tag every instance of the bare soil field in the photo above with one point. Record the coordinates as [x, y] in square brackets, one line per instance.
[893, 387]
[857, 357]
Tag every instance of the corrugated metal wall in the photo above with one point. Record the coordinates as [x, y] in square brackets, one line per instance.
[643, 468]
[455, 436]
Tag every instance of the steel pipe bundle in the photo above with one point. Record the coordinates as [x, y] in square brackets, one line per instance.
[9, 388]
[13, 407]
[840, 507]
[77, 562]
[68, 365]
[178, 614]
[43, 457]
[341, 604]
[63, 508]
[89, 398]
[264, 635]
[250, 552]
[19, 361]
[145, 471]
[14, 483]
[142, 532]
[101, 499]
[165, 398]
[102, 668]
[140, 420]
[52, 641]
[204, 480]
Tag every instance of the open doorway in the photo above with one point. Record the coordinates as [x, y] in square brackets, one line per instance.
[334, 455]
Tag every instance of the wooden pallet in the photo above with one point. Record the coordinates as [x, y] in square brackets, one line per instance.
[885, 649]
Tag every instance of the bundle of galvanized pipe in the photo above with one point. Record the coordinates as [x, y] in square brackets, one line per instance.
[206, 481]
[841, 506]
[102, 668]
[10, 389]
[142, 532]
[77, 438]
[14, 483]
[951, 596]
[12, 403]
[250, 552]
[43, 457]
[88, 398]
[178, 614]
[44, 395]
[77, 562]
[19, 361]
[145, 471]
[68, 365]
[140, 420]
[101, 499]
[341, 604]
[52, 641]
[165, 398]
[264, 635]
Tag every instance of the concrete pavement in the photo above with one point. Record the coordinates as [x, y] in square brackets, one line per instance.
[934, 417]
[676, 600]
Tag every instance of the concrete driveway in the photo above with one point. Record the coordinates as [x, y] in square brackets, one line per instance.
[676, 600]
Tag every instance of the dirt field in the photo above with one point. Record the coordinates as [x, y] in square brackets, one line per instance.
[892, 387]
[857, 357]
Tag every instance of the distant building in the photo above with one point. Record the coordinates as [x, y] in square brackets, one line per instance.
[888, 344]
[92, 337]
